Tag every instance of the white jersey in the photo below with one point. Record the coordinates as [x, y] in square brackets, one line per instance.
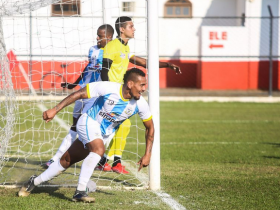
[110, 109]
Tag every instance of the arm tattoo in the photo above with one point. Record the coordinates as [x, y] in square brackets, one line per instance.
[150, 141]
[56, 108]
[82, 93]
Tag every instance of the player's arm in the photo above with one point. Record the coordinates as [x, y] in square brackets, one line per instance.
[143, 62]
[106, 65]
[80, 94]
[73, 85]
[149, 135]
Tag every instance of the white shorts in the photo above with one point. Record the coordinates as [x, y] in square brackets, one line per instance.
[81, 106]
[88, 130]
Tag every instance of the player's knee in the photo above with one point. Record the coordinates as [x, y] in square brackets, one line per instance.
[99, 150]
[65, 161]
[96, 146]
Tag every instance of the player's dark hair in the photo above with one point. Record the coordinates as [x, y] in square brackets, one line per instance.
[121, 22]
[108, 29]
[132, 75]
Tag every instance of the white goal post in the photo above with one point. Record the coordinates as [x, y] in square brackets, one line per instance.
[153, 65]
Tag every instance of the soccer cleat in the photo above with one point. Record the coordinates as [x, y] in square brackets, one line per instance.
[27, 187]
[106, 167]
[47, 164]
[82, 196]
[119, 168]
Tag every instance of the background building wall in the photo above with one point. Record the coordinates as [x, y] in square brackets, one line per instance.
[67, 40]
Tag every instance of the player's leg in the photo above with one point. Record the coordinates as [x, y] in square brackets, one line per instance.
[96, 150]
[74, 154]
[103, 163]
[118, 146]
[90, 134]
[70, 137]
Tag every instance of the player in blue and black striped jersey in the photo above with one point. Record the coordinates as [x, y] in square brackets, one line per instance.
[90, 74]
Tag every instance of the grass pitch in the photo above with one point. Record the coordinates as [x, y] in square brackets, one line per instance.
[213, 156]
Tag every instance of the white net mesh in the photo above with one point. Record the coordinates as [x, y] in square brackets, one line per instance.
[46, 45]
[7, 103]
[14, 7]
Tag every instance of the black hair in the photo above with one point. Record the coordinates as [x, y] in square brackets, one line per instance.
[121, 22]
[108, 29]
[132, 75]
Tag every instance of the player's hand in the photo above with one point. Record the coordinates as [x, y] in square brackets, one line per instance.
[49, 114]
[68, 85]
[144, 162]
[175, 68]
[64, 85]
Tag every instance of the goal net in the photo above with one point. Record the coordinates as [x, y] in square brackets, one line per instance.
[44, 43]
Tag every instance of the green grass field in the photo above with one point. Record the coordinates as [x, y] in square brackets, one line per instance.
[213, 156]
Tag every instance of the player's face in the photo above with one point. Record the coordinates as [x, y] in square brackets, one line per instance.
[102, 38]
[138, 87]
[129, 30]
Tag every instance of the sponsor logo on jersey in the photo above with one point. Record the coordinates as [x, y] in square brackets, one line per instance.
[110, 102]
[108, 116]
[128, 111]
[112, 114]
[122, 55]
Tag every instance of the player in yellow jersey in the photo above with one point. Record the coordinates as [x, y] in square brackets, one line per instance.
[116, 58]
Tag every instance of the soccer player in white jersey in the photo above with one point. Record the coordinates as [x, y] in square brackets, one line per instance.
[114, 104]
[90, 74]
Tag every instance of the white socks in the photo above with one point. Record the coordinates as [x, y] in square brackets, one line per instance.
[66, 143]
[54, 169]
[87, 169]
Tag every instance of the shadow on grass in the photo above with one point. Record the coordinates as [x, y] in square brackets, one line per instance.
[115, 180]
[25, 161]
[51, 191]
[272, 157]
[106, 193]
[273, 144]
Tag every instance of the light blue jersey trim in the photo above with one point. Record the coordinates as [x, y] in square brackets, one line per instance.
[120, 106]
[135, 111]
[116, 111]
[87, 128]
[92, 71]
[100, 57]
[97, 106]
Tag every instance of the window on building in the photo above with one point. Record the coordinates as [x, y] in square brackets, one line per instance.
[66, 8]
[128, 6]
[178, 8]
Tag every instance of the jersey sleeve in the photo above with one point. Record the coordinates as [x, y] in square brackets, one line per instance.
[130, 55]
[90, 51]
[109, 51]
[95, 89]
[144, 110]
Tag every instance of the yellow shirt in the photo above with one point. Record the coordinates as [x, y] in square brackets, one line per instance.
[119, 54]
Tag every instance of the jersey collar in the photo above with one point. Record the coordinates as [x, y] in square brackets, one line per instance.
[120, 39]
[122, 94]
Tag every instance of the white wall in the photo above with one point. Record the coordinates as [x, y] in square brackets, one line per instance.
[258, 29]
[177, 37]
